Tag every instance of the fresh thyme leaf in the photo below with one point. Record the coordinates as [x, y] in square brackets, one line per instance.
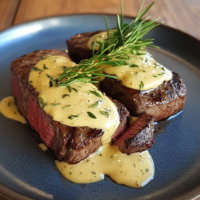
[37, 69]
[50, 83]
[65, 95]
[55, 104]
[133, 65]
[95, 93]
[69, 88]
[105, 113]
[94, 105]
[74, 89]
[155, 76]
[91, 115]
[72, 116]
[66, 106]
[141, 85]
[44, 66]
[41, 102]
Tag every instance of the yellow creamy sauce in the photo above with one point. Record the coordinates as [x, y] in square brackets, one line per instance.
[98, 37]
[142, 72]
[134, 170]
[43, 147]
[76, 105]
[9, 109]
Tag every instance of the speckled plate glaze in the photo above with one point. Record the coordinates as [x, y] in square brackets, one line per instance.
[27, 172]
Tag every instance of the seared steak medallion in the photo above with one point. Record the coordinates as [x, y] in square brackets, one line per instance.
[162, 102]
[138, 137]
[70, 144]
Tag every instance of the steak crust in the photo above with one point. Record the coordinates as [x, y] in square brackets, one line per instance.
[162, 102]
[77, 46]
[70, 144]
[138, 137]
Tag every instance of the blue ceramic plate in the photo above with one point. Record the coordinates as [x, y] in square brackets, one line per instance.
[27, 172]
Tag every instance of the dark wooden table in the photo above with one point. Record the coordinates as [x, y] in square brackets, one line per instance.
[180, 14]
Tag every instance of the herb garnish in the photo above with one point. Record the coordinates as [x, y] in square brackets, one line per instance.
[30, 82]
[127, 39]
[104, 113]
[91, 115]
[69, 88]
[133, 65]
[49, 76]
[44, 57]
[50, 83]
[94, 105]
[93, 172]
[65, 95]
[72, 116]
[141, 85]
[8, 104]
[55, 104]
[41, 102]
[44, 66]
[74, 89]
[37, 69]
[95, 93]
[66, 106]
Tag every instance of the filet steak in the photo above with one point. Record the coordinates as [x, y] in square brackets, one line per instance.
[70, 144]
[138, 137]
[162, 102]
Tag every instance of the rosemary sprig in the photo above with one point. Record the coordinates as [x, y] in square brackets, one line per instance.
[127, 39]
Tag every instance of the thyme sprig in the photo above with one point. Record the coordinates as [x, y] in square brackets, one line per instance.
[127, 39]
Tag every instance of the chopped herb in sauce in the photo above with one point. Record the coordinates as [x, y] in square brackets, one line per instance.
[65, 95]
[64, 67]
[44, 66]
[49, 76]
[70, 172]
[95, 93]
[51, 83]
[141, 85]
[37, 69]
[66, 106]
[104, 113]
[75, 89]
[93, 172]
[155, 76]
[91, 115]
[8, 104]
[69, 88]
[94, 105]
[55, 104]
[41, 102]
[146, 170]
[133, 65]
[44, 57]
[72, 116]
[30, 82]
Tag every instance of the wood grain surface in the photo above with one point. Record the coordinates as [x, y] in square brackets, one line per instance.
[180, 14]
[8, 8]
